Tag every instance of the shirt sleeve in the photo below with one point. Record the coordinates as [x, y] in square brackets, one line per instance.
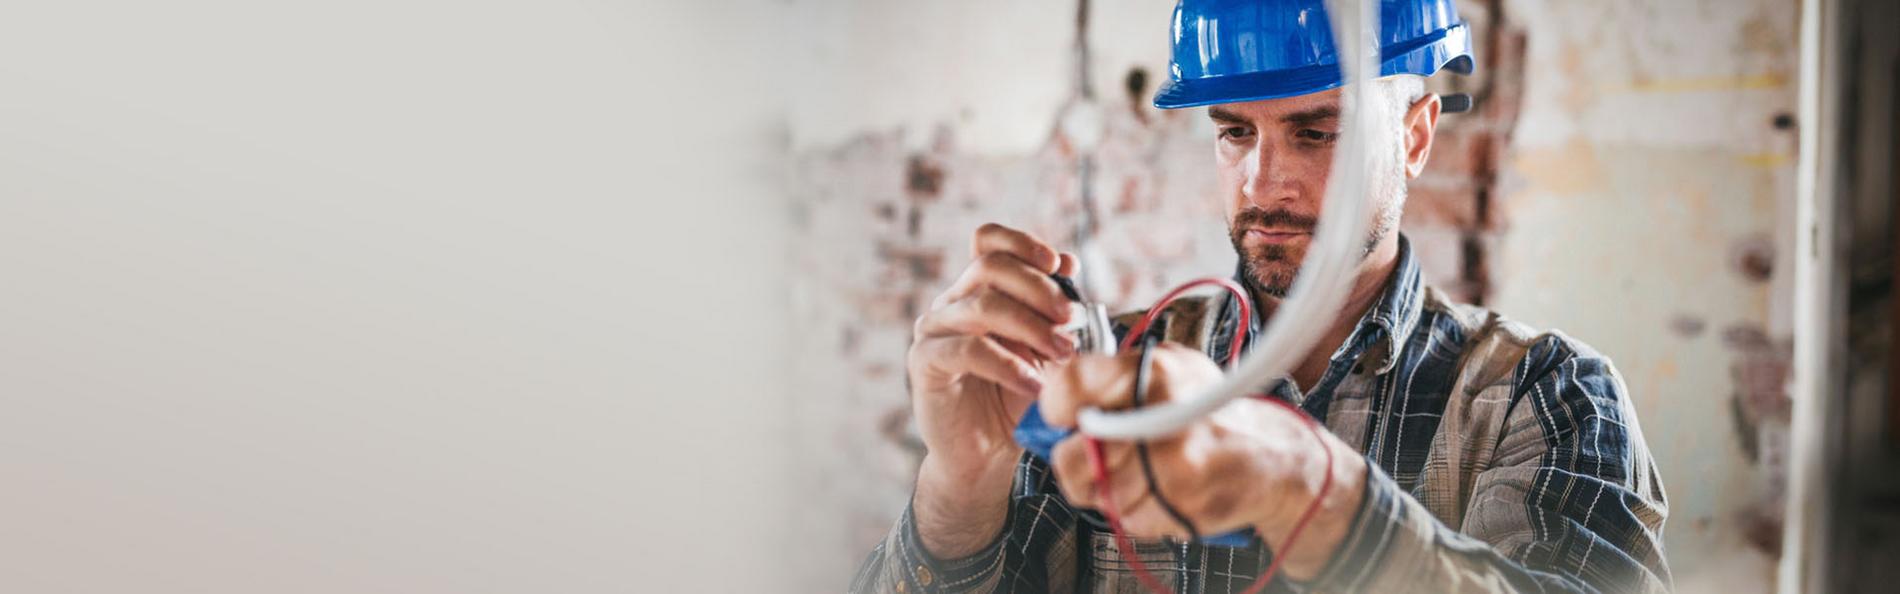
[1570, 502]
[1035, 553]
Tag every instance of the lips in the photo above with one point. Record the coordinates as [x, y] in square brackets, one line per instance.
[1277, 235]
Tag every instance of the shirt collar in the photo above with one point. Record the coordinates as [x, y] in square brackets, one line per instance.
[1387, 324]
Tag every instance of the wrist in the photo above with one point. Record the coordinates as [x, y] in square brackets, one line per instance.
[1336, 506]
[959, 510]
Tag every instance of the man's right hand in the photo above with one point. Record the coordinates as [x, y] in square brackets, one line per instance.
[975, 365]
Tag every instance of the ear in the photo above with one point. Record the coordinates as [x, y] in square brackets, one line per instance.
[1421, 125]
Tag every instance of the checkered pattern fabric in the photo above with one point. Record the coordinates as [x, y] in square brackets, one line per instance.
[1500, 460]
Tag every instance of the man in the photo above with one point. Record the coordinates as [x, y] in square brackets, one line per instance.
[1468, 452]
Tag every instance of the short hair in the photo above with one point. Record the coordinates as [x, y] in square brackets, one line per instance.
[1400, 91]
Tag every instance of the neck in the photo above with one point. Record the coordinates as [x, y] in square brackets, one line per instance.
[1368, 282]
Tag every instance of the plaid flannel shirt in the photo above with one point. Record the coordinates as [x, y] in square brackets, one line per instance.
[1532, 477]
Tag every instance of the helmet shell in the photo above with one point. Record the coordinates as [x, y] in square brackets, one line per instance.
[1229, 51]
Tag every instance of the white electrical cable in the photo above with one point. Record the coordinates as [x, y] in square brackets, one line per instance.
[1313, 303]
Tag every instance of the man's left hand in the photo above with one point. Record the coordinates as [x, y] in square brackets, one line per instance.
[1251, 464]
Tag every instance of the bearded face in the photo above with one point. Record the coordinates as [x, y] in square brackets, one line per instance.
[1274, 159]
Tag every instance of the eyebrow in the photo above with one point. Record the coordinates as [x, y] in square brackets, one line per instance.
[1311, 116]
[1222, 115]
[1298, 118]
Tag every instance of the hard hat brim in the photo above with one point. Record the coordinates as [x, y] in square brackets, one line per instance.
[1450, 49]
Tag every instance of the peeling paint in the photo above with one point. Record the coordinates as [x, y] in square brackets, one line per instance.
[1687, 326]
[1754, 258]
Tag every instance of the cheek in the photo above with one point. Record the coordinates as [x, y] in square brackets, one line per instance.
[1230, 174]
[1315, 171]
[1229, 162]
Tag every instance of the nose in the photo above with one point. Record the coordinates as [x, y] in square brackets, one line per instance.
[1268, 178]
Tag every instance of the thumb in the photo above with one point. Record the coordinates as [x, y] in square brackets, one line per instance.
[1068, 265]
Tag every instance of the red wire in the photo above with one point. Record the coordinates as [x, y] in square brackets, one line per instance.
[1103, 490]
[1098, 463]
[1240, 331]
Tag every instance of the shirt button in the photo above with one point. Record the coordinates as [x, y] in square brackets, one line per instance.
[923, 576]
[902, 586]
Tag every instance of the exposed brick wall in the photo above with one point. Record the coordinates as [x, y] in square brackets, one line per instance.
[1453, 213]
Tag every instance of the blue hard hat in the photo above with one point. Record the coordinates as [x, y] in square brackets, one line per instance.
[1250, 50]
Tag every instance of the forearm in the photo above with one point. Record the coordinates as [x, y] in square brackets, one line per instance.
[1396, 544]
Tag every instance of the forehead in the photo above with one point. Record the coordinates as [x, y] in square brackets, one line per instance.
[1269, 110]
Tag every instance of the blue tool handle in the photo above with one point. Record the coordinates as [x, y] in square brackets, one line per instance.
[1040, 439]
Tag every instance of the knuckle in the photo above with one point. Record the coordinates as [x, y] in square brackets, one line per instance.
[1043, 255]
[1217, 503]
[925, 359]
[991, 304]
[994, 263]
[971, 348]
[988, 229]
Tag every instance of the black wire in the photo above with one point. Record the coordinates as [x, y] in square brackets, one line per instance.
[1141, 447]
[1068, 287]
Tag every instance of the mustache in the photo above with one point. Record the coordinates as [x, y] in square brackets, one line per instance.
[1270, 219]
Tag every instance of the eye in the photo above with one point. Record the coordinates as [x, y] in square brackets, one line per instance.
[1316, 135]
[1234, 132]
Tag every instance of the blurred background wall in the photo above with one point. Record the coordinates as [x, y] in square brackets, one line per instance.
[391, 296]
[1627, 177]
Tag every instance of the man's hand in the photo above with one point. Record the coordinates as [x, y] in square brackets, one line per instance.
[975, 366]
[1250, 464]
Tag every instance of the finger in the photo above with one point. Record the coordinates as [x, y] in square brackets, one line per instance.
[1075, 472]
[1176, 367]
[1088, 381]
[1069, 265]
[992, 237]
[1014, 277]
[950, 357]
[1019, 349]
[1017, 406]
[1188, 470]
[1151, 520]
[992, 312]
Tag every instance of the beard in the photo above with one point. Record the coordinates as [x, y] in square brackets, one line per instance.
[1270, 269]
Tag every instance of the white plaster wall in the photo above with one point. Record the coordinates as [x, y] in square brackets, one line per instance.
[391, 296]
[1644, 157]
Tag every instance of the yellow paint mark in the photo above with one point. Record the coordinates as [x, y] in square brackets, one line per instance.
[1766, 160]
[1666, 368]
[1690, 84]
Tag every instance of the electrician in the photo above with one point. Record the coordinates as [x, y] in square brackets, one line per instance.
[1469, 452]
